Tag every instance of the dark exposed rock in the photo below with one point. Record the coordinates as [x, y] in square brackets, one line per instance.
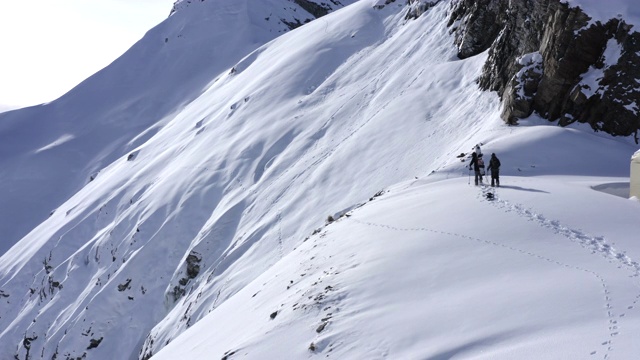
[26, 343]
[93, 343]
[317, 10]
[193, 269]
[380, 6]
[294, 24]
[549, 58]
[321, 327]
[125, 286]
[228, 355]
[477, 25]
[47, 267]
[417, 7]
[53, 285]
[178, 292]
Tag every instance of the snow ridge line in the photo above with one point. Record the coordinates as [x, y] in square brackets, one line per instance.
[595, 244]
[612, 323]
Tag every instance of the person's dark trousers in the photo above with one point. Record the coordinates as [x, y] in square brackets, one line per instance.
[495, 178]
[478, 177]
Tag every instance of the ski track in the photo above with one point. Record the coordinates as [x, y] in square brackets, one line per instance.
[596, 245]
[612, 322]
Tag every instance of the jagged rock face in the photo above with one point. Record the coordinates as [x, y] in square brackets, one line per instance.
[549, 58]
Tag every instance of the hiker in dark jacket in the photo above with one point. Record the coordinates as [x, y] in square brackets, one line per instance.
[478, 166]
[494, 167]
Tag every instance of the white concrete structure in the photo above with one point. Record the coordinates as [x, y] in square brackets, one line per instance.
[635, 175]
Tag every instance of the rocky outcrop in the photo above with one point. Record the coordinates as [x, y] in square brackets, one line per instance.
[552, 59]
[317, 10]
[418, 7]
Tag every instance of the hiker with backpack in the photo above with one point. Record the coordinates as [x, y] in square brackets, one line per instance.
[477, 163]
[477, 150]
[494, 166]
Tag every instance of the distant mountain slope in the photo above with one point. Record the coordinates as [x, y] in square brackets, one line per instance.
[49, 152]
[238, 177]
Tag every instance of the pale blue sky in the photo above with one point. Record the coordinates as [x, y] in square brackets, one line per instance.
[48, 47]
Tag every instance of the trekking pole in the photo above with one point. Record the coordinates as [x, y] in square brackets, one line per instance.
[469, 182]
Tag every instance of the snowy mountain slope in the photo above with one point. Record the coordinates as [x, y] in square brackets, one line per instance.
[122, 106]
[309, 125]
[432, 270]
[200, 212]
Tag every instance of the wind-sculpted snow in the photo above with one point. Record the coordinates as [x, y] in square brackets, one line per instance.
[211, 228]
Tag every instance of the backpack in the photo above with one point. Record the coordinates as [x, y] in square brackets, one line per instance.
[494, 163]
[481, 165]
